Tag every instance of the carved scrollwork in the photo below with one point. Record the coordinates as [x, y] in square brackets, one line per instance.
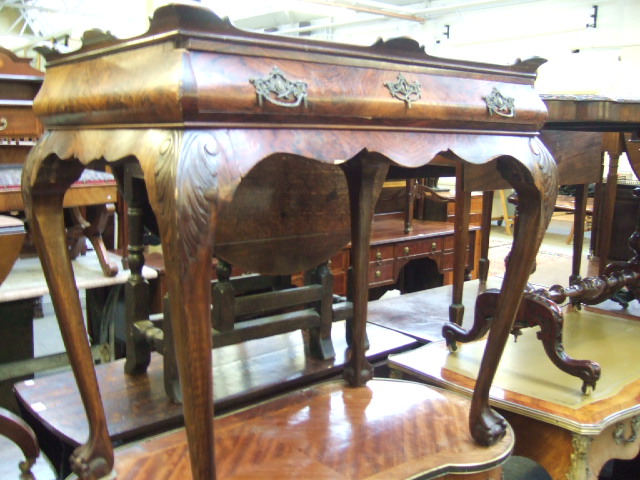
[403, 90]
[196, 184]
[277, 89]
[618, 433]
[499, 104]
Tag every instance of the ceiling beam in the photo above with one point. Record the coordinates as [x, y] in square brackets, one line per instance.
[367, 9]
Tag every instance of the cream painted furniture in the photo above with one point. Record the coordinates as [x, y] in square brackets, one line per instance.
[571, 435]
[26, 281]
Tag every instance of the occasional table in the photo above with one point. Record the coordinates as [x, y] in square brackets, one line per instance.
[218, 126]
[571, 435]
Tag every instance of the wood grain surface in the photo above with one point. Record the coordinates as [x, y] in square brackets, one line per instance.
[387, 429]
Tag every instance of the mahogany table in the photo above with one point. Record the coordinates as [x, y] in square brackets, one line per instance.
[137, 406]
[214, 118]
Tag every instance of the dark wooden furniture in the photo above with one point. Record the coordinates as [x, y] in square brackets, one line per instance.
[567, 203]
[391, 250]
[570, 435]
[211, 116]
[578, 130]
[612, 122]
[19, 129]
[137, 406]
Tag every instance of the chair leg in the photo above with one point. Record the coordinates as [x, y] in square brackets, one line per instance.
[16, 430]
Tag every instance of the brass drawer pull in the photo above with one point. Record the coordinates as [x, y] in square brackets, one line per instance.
[378, 274]
[403, 90]
[277, 89]
[499, 104]
[434, 246]
[4, 123]
[406, 250]
[378, 256]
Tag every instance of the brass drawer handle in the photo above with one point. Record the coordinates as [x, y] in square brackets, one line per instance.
[378, 255]
[4, 123]
[378, 273]
[406, 250]
[434, 246]
[277, 89]
[403, 90]
[500, 104]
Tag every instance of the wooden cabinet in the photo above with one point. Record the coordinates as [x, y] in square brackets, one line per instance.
[391, 251]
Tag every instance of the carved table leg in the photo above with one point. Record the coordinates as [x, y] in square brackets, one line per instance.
[460, 245]
[43, 194]
[536, 184]
[183, 186]
[364, 174]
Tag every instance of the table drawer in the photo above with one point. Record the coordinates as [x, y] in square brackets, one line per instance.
[19, 121]
[381, 273]
[381, 252]
[416, 248]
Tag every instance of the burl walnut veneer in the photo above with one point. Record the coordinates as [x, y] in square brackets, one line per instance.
[197, 105]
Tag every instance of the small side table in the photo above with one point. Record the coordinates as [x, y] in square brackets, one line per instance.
[571, 435]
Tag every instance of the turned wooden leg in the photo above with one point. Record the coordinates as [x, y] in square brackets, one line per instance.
[485, 229]
[43, 206]
[137, 288]
[460, 245]
[365, 176]
[536, 184]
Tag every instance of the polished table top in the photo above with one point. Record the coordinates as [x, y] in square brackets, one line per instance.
[527, 383]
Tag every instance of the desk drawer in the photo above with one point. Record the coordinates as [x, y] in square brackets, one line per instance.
[416, 248]
[19, 121]
[379, 253]
[381, 273]
[448, 259]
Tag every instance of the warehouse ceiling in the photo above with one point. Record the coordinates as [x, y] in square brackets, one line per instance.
[24, 23]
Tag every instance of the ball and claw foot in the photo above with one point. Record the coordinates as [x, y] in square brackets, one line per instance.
[96, 469]
[491, 428]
